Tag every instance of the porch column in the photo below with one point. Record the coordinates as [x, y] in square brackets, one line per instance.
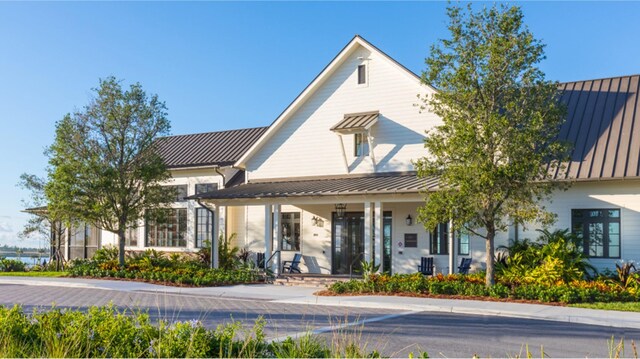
[452, 248]
[277, 229]
[368, 221]
[377, 234]
[268, 234]
[215, 237]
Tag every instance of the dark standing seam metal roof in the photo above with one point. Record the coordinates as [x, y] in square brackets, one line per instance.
[384, 183]
[356, 121]
[222, 148]
[603, 124]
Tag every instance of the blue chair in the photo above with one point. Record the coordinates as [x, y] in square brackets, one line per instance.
[292, 266]
[464, 266]
[426, 266]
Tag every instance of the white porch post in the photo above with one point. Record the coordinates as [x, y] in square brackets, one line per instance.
[268, 234]
[378, 237]
[277, 228]
[368, 221]
[452, 248]
[215, 237]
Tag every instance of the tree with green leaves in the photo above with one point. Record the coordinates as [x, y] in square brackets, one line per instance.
[104, 168]
[42, 223]
[497, 146]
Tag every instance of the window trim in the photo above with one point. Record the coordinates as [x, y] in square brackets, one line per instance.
[433, 236]
[605, 220]
[200, 185]
[361, 74]
[458, 238]
[148, 223]
[299, 248]
[197, 226]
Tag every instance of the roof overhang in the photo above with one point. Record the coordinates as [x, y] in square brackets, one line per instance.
[393, 186]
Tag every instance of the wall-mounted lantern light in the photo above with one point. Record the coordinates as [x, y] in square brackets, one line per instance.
[409, 220]
[340, 209]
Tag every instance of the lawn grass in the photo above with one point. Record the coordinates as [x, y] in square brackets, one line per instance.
[621, 306]
[33, 274]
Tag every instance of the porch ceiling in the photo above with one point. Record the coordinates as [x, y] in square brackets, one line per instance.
[348, 185]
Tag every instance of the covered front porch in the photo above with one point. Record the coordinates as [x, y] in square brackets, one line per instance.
[335, 224]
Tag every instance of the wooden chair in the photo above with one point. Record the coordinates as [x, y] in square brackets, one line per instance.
[426, 266]
[292, 266]
[465, 265]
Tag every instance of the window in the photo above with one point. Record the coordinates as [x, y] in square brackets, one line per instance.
[360, 147]
[181, 192]
[206, 187]
[204, 226]
[440, 239]
[599, 230]
[131, 237]
[463, 243]
[362, 74]
[290, 226]
[169, 231]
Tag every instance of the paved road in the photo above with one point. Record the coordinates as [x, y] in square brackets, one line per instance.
[391, 331]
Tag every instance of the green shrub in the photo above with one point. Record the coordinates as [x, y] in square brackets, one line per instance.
[11, 265]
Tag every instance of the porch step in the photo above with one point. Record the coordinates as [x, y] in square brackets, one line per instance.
[309, 280]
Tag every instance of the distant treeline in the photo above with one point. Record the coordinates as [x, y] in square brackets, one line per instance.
[8, 248]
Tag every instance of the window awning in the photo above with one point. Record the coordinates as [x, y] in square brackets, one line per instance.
[356, 122]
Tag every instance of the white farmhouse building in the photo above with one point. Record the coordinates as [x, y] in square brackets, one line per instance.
[332, 178]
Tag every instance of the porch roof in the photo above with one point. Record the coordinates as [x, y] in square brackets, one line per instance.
[380, 183]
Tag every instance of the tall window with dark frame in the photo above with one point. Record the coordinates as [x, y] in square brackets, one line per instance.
[463, 243]
[171, 231]
[362, 74]
[599, 230]
[440, 239]
[204, 226]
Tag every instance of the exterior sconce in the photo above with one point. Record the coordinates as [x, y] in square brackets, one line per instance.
[340, 209]
[409, 220]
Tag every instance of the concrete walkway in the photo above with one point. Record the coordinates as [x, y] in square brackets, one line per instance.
[302, 295]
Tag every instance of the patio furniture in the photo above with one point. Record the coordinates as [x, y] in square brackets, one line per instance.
[426, 266]
[465, 265]
[292, 266]
[260, 260]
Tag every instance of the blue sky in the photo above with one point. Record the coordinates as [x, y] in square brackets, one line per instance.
[235, 65]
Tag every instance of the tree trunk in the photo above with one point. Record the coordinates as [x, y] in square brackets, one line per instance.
[121, 242]
[490, 276]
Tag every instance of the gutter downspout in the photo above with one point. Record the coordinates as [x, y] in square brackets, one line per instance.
[224, 185]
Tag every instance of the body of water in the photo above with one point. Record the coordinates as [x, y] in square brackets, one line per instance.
[28, 260]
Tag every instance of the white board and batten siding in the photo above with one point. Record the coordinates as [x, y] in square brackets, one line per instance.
[305, 146]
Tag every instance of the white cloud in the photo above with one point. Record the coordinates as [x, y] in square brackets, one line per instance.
[5, 226]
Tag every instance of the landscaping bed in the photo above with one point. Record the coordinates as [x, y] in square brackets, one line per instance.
[156, 267]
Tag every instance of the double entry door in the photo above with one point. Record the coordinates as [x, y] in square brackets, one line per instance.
[347, 243]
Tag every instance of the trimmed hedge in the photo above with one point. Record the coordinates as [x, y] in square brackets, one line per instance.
[181, 276]
[578, 291]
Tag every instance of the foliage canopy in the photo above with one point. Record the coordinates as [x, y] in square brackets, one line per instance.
[497, 146]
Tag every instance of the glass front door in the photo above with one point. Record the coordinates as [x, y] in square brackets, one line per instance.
[347, 243]
[386, 236]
